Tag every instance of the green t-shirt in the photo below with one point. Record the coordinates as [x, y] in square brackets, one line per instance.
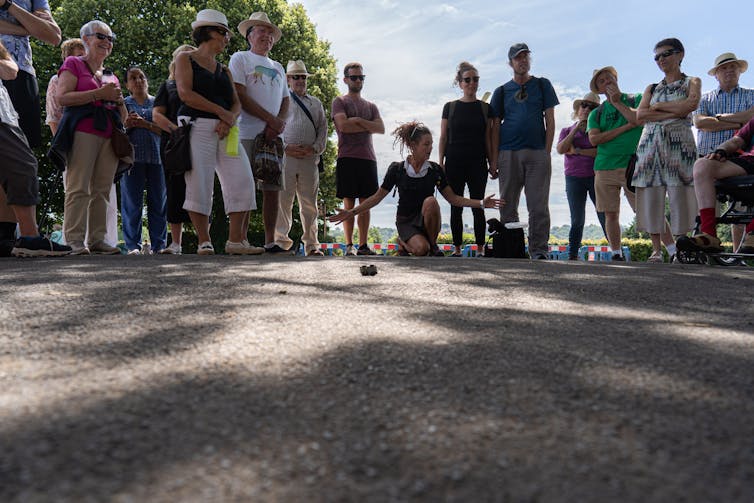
[617, 152]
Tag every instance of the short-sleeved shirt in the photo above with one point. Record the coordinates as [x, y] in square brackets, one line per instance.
[581, 166]
[146, 143]
[265, 83]
[467, 129]
[523, 124]
[412, 191]
[720, 102]
[53, 110]
[85, 81]
[355, 145]
[19, 46]
[746, 133]
[8, 114]
[167, 97]
[615, 153]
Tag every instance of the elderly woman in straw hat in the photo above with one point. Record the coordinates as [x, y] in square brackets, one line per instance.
[579, 170]
[211, 103]
[261, 86]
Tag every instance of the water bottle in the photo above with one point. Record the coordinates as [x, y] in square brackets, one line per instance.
[107, 78]
[231, 147]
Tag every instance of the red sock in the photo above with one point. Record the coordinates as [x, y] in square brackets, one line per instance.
[709, 221]
[750, 226]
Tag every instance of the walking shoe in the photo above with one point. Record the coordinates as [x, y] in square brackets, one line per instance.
[6, 247]
[655, 258]
[365, 250]
[78, 248]
[205, 248]
[316, 252]
[700, 242]
[242, 248]
[617, 257]
[38, 247]
[173, 249]
[350, 251]
[274, 249]
[747, 247]
[102, 248]
[135, 251]
[435, 251]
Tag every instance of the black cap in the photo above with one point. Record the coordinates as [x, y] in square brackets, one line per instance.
[517, 49]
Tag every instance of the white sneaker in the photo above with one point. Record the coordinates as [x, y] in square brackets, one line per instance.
[135, 251]
[205, 248]
[350, 251]
[242, 248]
[655, 258]
[173, 249]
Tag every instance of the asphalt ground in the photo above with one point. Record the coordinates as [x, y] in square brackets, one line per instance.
[298, 379]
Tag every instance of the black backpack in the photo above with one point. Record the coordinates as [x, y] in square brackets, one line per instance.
[506, 243]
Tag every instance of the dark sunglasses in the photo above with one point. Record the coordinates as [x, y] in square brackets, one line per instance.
[521, 94]
[469, 79]
[354, 78]
[586, 104]
[222, 31]
[102, 36]
[298, 77]
[665, 54]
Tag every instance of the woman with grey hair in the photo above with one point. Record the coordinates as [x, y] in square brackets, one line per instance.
[94, 106]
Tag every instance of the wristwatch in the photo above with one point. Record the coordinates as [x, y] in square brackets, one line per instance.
[6, 5]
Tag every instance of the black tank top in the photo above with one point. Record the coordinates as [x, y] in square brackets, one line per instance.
[216, 87]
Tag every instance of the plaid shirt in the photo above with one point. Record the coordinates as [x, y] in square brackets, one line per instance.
[719, 102]
[146, 143]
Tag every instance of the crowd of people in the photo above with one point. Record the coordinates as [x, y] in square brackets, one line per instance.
[255, 126]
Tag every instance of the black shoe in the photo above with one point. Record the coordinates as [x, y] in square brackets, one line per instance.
[435, 251]
[38, 247]
[617, 257]
[275, 249]
[365, 250]
[6, 246]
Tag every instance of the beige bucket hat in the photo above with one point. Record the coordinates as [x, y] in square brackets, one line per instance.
[297, 68]
[210, 17]
[256, 19]
[591, 97]
[593, 83]
[727, 57]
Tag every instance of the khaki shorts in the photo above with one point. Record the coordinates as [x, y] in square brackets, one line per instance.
[650, 209]
[607, 185]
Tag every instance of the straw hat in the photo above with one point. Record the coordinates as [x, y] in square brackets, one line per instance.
[587, 97]
[593, 83]
[256, 19]
[210, 17]
[727, 57]
[297, 68]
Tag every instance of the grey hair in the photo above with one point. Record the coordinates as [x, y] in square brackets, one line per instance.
[89, 27]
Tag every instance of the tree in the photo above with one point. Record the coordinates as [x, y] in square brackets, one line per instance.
[148, 32]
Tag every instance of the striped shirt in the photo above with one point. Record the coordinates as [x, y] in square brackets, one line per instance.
[299, 130]
[719, 102]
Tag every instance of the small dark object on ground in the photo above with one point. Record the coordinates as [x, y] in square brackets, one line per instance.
[368, 270]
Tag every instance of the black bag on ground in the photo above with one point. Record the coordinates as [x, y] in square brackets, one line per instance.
[506, 243]
[178, 150]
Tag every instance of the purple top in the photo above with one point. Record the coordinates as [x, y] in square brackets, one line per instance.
[356, 145]
[581, 166]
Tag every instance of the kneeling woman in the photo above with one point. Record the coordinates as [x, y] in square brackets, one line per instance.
[418, 217]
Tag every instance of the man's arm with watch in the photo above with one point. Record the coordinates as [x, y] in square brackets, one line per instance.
[724, 150]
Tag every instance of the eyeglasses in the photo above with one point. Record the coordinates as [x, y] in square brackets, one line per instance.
[298, 77]
[469, 79]
[586, 104]
[102, 36]
[354, 78]
[521, 94]
[666, 54]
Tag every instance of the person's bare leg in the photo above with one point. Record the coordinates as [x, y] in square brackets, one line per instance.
[348, 203]
[270, 201]
[417, 245]
[612, 228]
[201, 224]
[363, 220]
[26, 216]
[432, 220]
[656, 243]
[235, 228]
[176, 232]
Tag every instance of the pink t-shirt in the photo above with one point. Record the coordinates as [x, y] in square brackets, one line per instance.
[85, 81]
[356, 145]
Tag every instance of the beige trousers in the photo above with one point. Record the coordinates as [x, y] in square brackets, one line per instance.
[302, 181]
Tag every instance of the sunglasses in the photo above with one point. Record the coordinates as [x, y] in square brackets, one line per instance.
[354, 78]
[469, 79]
[590, 106]
[521, 94]
[222, 31]
[102, 36]
[666, 54]
[298, 77]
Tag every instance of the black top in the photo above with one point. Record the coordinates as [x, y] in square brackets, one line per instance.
[413, 191]
[216, 87]
[467, 129]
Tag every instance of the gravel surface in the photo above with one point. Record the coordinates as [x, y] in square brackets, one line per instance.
[167, 379]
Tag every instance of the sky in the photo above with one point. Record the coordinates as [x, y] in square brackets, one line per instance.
[410, 50]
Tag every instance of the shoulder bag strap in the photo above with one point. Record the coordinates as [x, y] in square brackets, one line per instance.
[306, 111]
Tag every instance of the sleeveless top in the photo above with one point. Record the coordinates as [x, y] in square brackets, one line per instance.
[214, 86]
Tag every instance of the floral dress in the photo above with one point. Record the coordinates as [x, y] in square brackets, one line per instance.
[667, 150]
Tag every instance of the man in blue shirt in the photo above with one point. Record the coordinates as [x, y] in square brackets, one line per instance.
[525, 105]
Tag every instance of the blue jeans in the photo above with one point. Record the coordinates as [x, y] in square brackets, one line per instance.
[577, 188]
[132, 202]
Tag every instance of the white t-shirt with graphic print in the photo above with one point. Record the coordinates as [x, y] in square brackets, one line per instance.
[265, 83]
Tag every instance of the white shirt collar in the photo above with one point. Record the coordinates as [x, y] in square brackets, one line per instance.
[412, 173]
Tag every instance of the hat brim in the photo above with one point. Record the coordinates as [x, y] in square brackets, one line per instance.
[244, 26]
[199, 24]
[593, 83]
[741, 62]
[288, 74]
[577, 104]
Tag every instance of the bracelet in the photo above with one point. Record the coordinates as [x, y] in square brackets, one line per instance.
[481, 203]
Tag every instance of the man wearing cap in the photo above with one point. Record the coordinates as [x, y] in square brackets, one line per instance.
[356, 120]
[526, 106]
[305, 139]
[723, 111]
[615, 130]
[260, 83]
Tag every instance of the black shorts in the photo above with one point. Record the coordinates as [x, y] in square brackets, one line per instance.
[18, 169]
[24, 94]
[355, 178]
[746, 162]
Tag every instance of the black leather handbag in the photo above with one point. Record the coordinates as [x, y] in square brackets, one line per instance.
[178, 150]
